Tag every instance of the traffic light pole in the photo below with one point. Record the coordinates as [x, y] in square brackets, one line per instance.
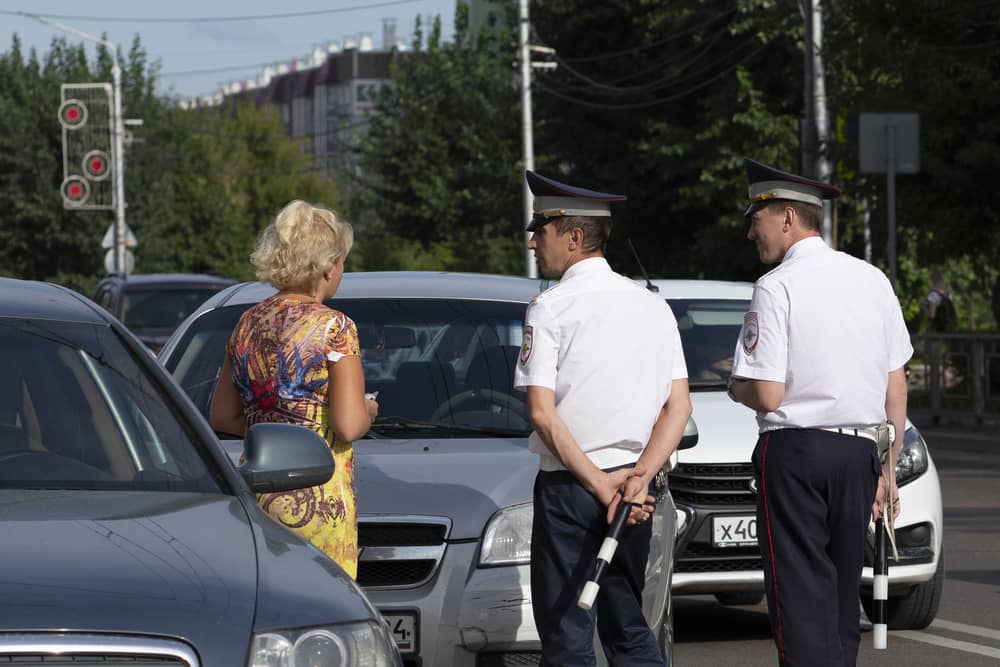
[116, 79]
[119, 134]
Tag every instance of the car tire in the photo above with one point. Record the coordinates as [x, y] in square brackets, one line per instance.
[916, 608]
[739, 598]
[666, 635]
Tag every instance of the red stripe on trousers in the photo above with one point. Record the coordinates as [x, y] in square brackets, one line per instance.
[770, 544]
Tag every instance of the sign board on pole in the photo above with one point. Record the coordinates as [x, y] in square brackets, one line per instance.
[109, 237]
[873, 134]
[109, 261]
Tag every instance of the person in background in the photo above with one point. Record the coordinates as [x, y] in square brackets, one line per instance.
[607, 387]
[939, 305]
[291, 359]
[820, 359]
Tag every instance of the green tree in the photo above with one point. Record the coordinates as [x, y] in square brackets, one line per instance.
[441, 185]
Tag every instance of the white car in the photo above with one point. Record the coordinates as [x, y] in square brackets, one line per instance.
[712, 484]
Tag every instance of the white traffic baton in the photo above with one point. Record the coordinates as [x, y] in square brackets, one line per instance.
[880, 587]
[604, 556]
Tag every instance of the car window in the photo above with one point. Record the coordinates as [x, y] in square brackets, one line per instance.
[161, 307]
[442, 361]
[78, 411]
[710, 329]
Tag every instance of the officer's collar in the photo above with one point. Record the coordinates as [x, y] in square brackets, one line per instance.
[585, 267]
[806, 246]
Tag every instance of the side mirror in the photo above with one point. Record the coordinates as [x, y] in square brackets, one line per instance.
[283, 457]
[690, 437]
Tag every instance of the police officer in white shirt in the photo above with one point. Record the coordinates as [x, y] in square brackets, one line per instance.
[820, 358]
[608, 398]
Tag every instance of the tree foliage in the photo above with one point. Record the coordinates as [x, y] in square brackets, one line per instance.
[442, 185]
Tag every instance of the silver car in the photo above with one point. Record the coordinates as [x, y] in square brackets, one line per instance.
[445, 475]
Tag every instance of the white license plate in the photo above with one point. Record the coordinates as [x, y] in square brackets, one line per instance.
[404, 626]
[734, 531]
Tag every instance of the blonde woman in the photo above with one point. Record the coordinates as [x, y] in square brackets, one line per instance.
[292, 359]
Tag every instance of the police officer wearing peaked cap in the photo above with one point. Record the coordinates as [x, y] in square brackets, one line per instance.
[820, 359]
[608, 399]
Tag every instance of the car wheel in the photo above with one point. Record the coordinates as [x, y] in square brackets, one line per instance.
[916, 608]
[666, 637]
[739, 598]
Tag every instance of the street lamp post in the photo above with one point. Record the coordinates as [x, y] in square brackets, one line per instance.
[119, 134]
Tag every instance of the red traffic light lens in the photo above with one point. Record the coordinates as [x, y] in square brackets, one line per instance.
[72, 114]
[75, 191]
[96, 165]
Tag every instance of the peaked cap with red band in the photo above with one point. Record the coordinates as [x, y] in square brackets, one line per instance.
[554, 199]
[769, 184]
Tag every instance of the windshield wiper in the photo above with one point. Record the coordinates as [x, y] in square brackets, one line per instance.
[389, 424]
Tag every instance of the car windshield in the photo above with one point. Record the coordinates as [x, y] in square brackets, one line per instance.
[448, 363]
[77, 411]
[162, 308]
[710, 329]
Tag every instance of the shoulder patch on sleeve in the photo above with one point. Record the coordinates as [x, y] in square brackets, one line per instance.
[526, 344]
[751, 332]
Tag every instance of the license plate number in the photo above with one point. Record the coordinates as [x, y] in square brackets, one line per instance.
[404, 626]
[734, 531]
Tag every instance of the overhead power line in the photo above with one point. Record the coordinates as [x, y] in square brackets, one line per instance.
[208, 19]
[215, 70]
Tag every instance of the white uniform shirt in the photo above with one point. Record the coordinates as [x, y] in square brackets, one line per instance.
[830, 327]
[610, 350]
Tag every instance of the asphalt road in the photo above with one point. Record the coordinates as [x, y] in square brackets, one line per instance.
[966, 631]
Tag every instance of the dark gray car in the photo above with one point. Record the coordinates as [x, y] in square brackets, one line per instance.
[127, 536]
[445, 475]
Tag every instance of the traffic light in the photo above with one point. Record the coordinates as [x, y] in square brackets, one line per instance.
[87, 125]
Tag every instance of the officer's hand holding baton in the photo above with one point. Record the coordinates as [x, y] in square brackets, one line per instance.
[620, 513]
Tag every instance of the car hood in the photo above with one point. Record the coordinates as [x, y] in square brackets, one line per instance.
[727, 431]
[170, 564]
[466, 480]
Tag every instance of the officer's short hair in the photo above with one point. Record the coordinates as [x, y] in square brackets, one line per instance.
[811, 216]
[596, 230]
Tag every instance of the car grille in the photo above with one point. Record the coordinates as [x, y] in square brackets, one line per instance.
[92, 650]
[712, 484]
[713, 489]
[400, 552]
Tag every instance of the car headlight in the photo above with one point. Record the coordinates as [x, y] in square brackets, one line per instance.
[913, 459]
[507, 539]
[362, 644]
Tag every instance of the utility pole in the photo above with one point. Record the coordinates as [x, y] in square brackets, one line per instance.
[527, 138]
[118, 132]
[816, 131]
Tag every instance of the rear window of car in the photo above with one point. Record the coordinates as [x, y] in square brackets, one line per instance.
[161, 307]
[77, 411]
[431, 360]
[710, 329]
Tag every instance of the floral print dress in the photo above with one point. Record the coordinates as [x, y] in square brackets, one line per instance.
[279, 352]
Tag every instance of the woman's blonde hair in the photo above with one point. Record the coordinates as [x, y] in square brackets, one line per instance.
[302, 243]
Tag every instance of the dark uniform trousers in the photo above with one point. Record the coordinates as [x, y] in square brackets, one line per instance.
[569, 526]
[813, 507]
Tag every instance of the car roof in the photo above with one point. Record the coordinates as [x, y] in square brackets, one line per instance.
[405, 285]
[702, 289]
[172, 279]
[30, 299]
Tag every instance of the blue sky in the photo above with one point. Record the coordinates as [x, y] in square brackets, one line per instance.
[195, 46]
